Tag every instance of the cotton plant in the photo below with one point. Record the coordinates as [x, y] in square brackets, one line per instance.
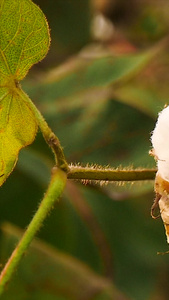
[24, 41]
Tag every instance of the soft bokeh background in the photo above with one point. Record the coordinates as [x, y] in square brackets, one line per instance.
[100, 89]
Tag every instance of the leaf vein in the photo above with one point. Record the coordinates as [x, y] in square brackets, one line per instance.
[15, 34]
[24, 43]
[8, 109]
[3, 97]
[5, 61]
[26, 49]
[2, 3]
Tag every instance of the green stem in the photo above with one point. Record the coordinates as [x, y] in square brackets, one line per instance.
[49, 136]
[108, 174]
[54, 191]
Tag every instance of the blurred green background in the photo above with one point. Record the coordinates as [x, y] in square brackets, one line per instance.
[100, 89]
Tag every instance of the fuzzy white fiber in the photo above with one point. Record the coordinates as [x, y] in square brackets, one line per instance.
[160, 142]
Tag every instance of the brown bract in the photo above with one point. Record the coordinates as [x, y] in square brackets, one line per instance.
[162, 200]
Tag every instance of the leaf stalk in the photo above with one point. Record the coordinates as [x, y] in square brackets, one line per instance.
[49, 136]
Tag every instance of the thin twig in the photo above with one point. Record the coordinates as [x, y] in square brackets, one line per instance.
[110, 174]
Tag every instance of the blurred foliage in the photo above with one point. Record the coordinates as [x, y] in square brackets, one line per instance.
[101, 98]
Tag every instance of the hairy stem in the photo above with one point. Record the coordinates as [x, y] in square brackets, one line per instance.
[49, 136]
[109, 174]
[54, 191]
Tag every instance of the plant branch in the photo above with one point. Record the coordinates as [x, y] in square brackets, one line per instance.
[49, 136]
[54, 191]
[109, 174]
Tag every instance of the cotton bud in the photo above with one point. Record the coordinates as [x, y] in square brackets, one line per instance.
[160, 151]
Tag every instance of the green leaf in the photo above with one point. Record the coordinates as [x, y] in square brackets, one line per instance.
[24, 40]
[80, 75]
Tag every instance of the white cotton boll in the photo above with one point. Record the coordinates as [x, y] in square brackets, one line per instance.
[160, 142]
[163, 169]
